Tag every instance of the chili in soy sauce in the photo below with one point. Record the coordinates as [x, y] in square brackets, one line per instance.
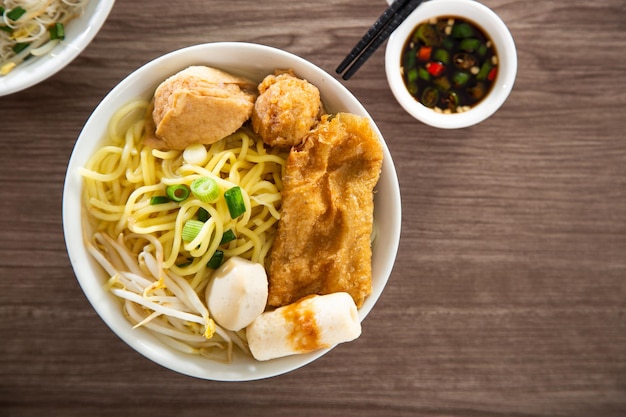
[449, 64]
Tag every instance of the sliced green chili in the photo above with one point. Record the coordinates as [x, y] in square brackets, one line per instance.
[428, 35]
[484, 71]
[443, 83]
[462, 30]
[460, 78]
[411, 76]
[423, 73]
[469, 44]
[216, 260]
[442, 55]
[410, 57]
[430, 97]
[451, 100]
[178, 192]
[234, 201]
[477, 91]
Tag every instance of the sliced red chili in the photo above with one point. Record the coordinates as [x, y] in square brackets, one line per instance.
[435, 68]
[492, 74]
[424, 53]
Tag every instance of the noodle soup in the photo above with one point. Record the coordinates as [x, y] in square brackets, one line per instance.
[33, 29]
[254, 62]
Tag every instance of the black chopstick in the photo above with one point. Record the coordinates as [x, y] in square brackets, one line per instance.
[376, 35]
[371, 33]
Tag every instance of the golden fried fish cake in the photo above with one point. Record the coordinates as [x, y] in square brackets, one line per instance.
[199, 105]
[323, 242]
[286, 109]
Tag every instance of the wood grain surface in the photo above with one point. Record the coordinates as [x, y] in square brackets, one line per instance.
[508, 297]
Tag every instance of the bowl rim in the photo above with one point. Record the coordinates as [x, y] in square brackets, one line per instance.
[79, 34]
[145, 78]
[497, 30]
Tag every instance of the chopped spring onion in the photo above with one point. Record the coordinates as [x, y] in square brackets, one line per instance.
[16, 13]
[228, 236]
[57, 31]
[6, 29]
[178, 192]
[216, 260]
[188, 262]
[203, 215]
[159, 199]
[205, 189]
[234, 201]
[191, 228]
[19, 47]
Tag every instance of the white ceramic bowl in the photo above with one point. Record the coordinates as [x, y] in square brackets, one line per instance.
[505, 49]
[254, 61]
[78, 34]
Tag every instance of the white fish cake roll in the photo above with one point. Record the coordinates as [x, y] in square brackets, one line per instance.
[311, 323]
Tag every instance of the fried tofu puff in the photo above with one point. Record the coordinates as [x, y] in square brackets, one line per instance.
[286, 109]
[323, 241]
[198, 105]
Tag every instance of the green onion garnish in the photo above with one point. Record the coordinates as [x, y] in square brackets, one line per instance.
[188, 262]
[16, 13]
[191, 228]
[228, 236]
[19, 47]
[57, 31]
[203, 214]
[6, 29]
[234, 201]
[205, 189]
[216, 260]
[159, 199]
[178, 192]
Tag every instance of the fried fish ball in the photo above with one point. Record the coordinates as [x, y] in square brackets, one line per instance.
[323, 241]
[286, 109]
[199, 105]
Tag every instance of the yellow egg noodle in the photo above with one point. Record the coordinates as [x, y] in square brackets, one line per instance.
[29, 28]
[160, 277]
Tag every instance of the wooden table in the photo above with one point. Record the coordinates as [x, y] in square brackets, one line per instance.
[508, 297]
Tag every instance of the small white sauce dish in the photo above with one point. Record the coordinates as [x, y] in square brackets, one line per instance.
[494, 27]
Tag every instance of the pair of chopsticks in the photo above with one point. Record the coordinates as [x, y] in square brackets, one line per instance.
[376, 35]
